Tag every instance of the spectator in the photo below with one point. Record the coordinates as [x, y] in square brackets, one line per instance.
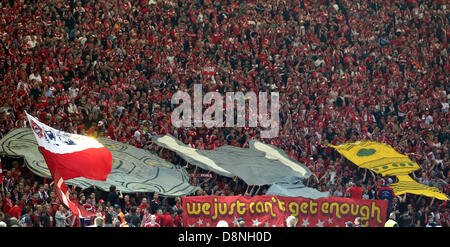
[146, 217]
[119, 213]
[109, 217]
[126, 223]
[127, 204]
[167, 219]
[355, 191]
[98, 222]
[36, 217]
[431, 221]
[155, 204]
[407, 219]
[152, 222]
[113, 197]
[61, 217]
[144, 204]
[7, 202]
[179, 218]
[291, 221]
[46, 217]
[116, 222]
[133, 218]
[16, 211]
[222, 223]
[357, 222]
[391, 222]
[386, 193]
[158, 215]
[25, 219]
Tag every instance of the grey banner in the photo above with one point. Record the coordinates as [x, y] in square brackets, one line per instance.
[292, 186]
[260, 164]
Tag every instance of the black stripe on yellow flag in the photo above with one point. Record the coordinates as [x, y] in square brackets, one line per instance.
[383, 159]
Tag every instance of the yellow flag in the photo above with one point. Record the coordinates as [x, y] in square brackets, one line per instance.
[378, 157]
[408, 185]
[383, 159]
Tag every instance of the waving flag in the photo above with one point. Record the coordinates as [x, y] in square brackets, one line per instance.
[70, 156]
[133, 169]
[383, 159]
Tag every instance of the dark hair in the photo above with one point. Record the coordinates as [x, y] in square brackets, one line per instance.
[133, 210]
[108, 218]
[112, 188]
[127, 218]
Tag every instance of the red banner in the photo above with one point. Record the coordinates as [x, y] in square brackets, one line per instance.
[272, 211]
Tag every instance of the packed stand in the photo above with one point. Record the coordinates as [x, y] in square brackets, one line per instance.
[345, 72]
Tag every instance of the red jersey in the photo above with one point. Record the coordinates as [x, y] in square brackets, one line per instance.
[7, 205]
[158, 219]
[167, 221]
[15, 211]
[152, 224]
[144, 206]
[356, 192]
[178, 221]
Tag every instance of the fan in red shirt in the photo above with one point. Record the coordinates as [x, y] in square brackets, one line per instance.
[16, 211]
[7, 202]
[178, 218]
[158, 215]
[126, 203]
[355, 191]
[167, 219]
[144, 204]
[152, 222]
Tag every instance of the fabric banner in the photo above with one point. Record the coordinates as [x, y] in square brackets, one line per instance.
[71, 156]
[293, 187]
[272, 211]
[383, 159]
[133, 169]
[260, 164]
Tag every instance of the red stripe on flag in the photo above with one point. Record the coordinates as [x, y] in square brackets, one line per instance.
[91, 163]
[63, 194]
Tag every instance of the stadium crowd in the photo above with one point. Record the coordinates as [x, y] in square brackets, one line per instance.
[345, 71]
